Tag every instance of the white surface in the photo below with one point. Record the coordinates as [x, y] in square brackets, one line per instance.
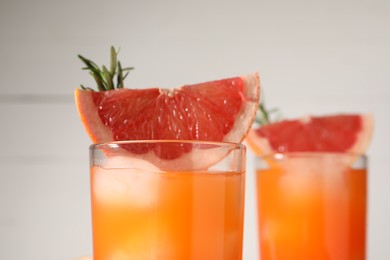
[314, 57]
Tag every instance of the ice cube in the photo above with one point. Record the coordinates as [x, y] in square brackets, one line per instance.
[311, 174]
[126, 180]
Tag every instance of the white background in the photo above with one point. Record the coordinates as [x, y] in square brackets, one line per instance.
[315, 57]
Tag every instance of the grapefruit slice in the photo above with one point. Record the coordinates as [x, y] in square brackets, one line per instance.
[221, 110]
[349, 133]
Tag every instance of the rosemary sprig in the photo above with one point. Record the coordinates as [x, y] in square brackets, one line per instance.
[265, 116]
[106, 79]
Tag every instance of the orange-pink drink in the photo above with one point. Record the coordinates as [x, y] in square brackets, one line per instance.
[140, 211]
[312, 206]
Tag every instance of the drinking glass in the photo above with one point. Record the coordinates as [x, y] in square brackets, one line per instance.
[312, 206]
[167, 200]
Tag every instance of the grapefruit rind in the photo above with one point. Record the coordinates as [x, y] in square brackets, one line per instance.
[258, 145]
[364, 136]
[92, 123]
[246, 117]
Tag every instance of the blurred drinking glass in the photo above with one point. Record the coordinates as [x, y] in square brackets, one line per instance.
[312, 206]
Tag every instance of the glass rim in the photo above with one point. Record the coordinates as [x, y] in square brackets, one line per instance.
[277, 155]
[117, 144]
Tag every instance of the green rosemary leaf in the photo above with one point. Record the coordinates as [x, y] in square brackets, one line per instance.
[99, 82]
[98, 75]
[108, 78]
[87, 88]
[120, 76]
[90, 64]
[113, 60]
[127, 73]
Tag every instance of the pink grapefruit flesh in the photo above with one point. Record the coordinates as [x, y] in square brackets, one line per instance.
[331, 133]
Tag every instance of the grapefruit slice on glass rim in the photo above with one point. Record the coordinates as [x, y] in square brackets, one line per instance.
[219, 110]
[348, 133]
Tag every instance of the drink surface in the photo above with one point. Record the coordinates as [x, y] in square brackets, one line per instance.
[146, 214]
[312, 211]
